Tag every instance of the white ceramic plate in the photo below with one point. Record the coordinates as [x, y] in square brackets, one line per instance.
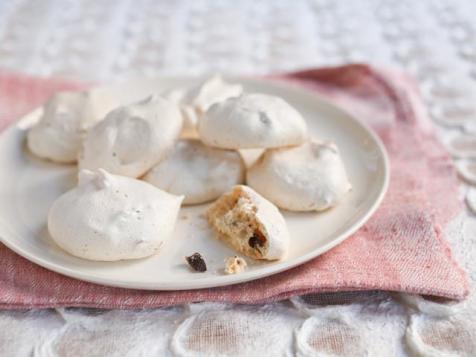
[28, 186]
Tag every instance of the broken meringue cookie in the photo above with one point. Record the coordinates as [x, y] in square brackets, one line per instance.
[250, 224]
[66, 118]
[310, 177]
[252, 121]
[108, 217]
[195, 101]
[133, 138]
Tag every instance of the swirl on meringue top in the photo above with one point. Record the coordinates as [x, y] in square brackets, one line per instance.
[108, 217]
[133, 138]
[66, 118]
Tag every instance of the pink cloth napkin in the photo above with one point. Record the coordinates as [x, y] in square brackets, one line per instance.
[401, 248]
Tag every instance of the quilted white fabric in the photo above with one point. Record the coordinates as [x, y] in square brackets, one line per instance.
[107, 41]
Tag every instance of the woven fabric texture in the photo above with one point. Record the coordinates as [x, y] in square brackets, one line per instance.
[400, 249]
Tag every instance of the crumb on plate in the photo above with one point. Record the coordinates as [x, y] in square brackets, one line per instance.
[235, 265]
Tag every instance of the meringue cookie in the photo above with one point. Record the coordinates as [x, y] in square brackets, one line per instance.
[310, 177]
[196, 101]
[250, 224]
[133, 138]
[252, 121]
[66, 117]
[108, 217]
[198, 172]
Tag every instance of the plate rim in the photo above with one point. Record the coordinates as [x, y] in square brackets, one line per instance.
[211, 282]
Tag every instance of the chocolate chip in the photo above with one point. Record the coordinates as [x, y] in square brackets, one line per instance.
[255, 241]
[264, 118]
[197, 262]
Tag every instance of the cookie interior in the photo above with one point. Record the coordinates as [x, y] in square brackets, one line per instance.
[233, 216]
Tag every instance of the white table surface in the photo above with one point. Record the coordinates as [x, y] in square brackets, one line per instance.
[112, 40]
